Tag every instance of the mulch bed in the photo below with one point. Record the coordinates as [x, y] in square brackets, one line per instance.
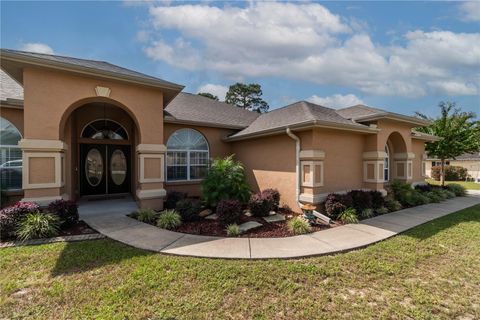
[268, 230]
[80, 228]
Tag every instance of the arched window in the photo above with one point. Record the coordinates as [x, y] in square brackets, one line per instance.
[10, 156]
[187, 155]
[104, 129]
[386, 165]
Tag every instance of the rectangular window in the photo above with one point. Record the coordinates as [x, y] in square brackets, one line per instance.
[187, 165]
[176, 166]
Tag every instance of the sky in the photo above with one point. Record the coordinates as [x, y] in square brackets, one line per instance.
[399, 56]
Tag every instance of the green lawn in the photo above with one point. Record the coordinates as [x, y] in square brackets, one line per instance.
[430, 272]
[467, 185]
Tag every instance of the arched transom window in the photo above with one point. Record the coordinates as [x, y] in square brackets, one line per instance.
[104, 129]
[386, 165]
[187, 155]
[10, 156]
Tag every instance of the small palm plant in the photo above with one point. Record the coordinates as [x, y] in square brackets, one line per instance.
[349, 215]
[233, 230]
[38, 225]
[299, 225]
[146, 215]
[169, 219]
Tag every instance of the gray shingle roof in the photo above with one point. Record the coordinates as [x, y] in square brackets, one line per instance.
[294, 114]
[93, 65]
[9, 88]
[359, 111]
[194, 108]
[469, 156]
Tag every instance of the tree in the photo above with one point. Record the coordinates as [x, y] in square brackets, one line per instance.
[459, 133]
[247, 96]
[208, 95]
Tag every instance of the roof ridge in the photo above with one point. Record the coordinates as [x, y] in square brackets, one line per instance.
[58, 55]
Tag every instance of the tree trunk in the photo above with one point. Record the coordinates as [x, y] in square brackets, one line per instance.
[442, 173]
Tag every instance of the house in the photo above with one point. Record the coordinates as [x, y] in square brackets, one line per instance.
[87, 128]
[469, 161]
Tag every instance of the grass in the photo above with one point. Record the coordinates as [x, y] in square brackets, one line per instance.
[430, 272]
[467, 185]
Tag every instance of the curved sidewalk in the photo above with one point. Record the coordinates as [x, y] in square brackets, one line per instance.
[144, 236]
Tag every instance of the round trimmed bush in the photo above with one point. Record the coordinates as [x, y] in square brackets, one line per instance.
[38, 225]
[273, 196]
[169, 219]
[173, 197]
[260, 204]
[458, 189]
[298, 225]
[229, 211]
[189, 209]
[393, 205]
[67, 211]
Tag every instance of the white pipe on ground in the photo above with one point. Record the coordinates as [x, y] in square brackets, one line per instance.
[297, 175]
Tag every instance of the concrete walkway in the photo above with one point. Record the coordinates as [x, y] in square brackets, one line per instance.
[114, 224]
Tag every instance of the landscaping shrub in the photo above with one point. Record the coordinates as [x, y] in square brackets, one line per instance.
[348, 216]
[260, 204]
[440, 193]
[147, 215]
[433, 196]
[274, 196]
[169, 219]
[449, 194]
[229, 211]
[381, 210]
[423, 187]
[377, 199]
[393, 205]
[189, 209]
[225, 180]
[298, 225]
[459, 190]
[11, 216]
[233, 230]
[336, 203]
[66, 210]
[452, 173]
[173, 197]
[406, 195]
[361, 200]
[367, 213]
[38, 225]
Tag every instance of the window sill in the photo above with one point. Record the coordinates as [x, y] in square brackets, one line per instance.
[183, 182]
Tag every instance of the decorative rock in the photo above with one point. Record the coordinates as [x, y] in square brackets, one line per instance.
[249, 225]
[212, 217]
[272, 213]
[247, 213]
[275, 218]
[205, 213]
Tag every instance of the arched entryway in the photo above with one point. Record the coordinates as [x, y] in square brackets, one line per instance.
[398, 164]
[101, 137]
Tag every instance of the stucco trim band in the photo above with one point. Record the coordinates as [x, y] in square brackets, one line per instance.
[404, 156]
[151, 194]
[151, 148]
[312, 154]
[42, 145]
[374, 155]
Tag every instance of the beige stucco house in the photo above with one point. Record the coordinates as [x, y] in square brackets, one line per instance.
[469, 161]
[86, 128]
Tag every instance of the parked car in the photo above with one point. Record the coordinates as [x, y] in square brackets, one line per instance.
[11, 174]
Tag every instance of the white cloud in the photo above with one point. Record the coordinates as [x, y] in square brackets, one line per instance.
[455, 87]
[37, 47]
[336, 101]
[215, 89]
[470, 10]
[305, 41]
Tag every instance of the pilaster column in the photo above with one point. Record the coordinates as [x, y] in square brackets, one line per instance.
[311, 171]
[151, 175]
[43, 175]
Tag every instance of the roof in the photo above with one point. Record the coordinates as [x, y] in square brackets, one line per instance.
[362, 113]
[298, 114]
[13, 60]
[424, 136]
[9, 88]
[192, 108]
[464, 157]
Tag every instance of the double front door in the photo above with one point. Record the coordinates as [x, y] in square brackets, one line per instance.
[104, 169]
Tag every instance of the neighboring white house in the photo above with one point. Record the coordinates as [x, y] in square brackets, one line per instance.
[469, 161]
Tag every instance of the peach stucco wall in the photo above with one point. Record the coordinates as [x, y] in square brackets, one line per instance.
[50, 97]
[217, 147]
[418, 147]
[270, 163]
